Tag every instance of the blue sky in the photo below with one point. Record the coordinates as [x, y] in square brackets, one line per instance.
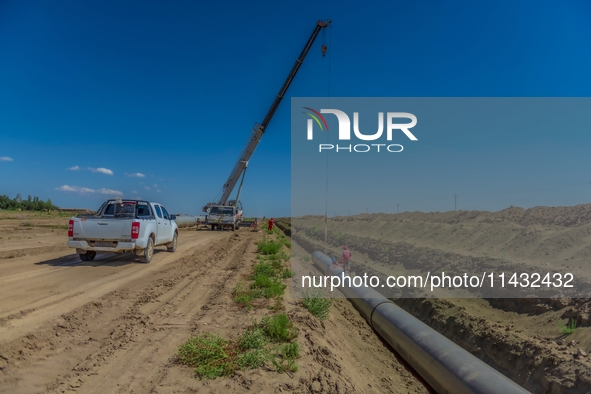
[171, 90]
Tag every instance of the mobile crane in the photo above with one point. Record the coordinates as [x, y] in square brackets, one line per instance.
[228, 213]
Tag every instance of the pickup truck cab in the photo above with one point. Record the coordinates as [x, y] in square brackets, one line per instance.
[224, 216]
[120, 226]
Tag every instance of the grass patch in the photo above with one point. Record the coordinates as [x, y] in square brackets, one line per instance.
[286, 273]
[316, 303]
[569, 327]
[210, 355]
[267, 247]
[213, 356]
[270, 287]
[244, 295]
[279, 328]
[264, 269]
[283, 256]
[285, 359]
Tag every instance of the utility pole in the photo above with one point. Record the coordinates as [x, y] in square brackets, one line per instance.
[398, 208]
[455, 202]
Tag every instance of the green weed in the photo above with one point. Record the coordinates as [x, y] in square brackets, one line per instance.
[317, 303]
[279, 328]
[285, 359]
[267, 247]
[210, 355]
[569, 327]
[264, 269]
[213, 356]
[270, 287]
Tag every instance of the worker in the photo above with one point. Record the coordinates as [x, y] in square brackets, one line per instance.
[346, 259]
[271, 224]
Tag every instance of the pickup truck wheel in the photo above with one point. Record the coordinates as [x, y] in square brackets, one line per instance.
[148, 252]
[91, 254]
[171, 247]
[212, 227]
[84, 256]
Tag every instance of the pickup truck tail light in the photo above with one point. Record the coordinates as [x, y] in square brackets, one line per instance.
[71, 228]
[135, 230]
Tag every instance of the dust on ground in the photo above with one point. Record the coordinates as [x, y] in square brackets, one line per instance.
[114, 325]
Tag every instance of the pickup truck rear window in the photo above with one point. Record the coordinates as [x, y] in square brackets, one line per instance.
[120, 210]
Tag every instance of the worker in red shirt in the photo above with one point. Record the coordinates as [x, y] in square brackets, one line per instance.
[346, 259]
[271, 224]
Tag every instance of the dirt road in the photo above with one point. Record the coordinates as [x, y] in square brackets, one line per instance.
[113, 325]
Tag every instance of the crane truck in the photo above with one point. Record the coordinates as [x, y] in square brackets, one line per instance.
[226, 213]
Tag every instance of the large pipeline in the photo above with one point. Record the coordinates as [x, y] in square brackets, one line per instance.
[185, 220]
[444, 365]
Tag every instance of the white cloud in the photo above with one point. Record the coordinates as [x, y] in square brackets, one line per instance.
[86, 190]
[75, 189]
[158, 191]
[101, 170]
[146, 187]
[66, 188]
[155, 185]
[137, 175]
[110, 192]
[134, 192]
[75, 168]
[5, 158]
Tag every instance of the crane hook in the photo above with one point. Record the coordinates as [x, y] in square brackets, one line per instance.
[323, 50]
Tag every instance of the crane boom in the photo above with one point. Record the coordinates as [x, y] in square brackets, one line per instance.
[259, 129]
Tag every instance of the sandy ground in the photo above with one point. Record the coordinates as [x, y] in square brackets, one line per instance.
[520, 337]
[113, 325]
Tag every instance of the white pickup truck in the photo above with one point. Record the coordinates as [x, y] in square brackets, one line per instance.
[123, 226]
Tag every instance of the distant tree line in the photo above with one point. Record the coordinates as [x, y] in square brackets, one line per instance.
[30, 204]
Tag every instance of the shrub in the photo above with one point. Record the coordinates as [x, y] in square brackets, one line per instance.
[254, 338]
[268, 247]
[244, 295]
[279, 328]
[270, 287]
[208, 354]
[212, 356]
[317, 303]
[285, 360]
[264, 269]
